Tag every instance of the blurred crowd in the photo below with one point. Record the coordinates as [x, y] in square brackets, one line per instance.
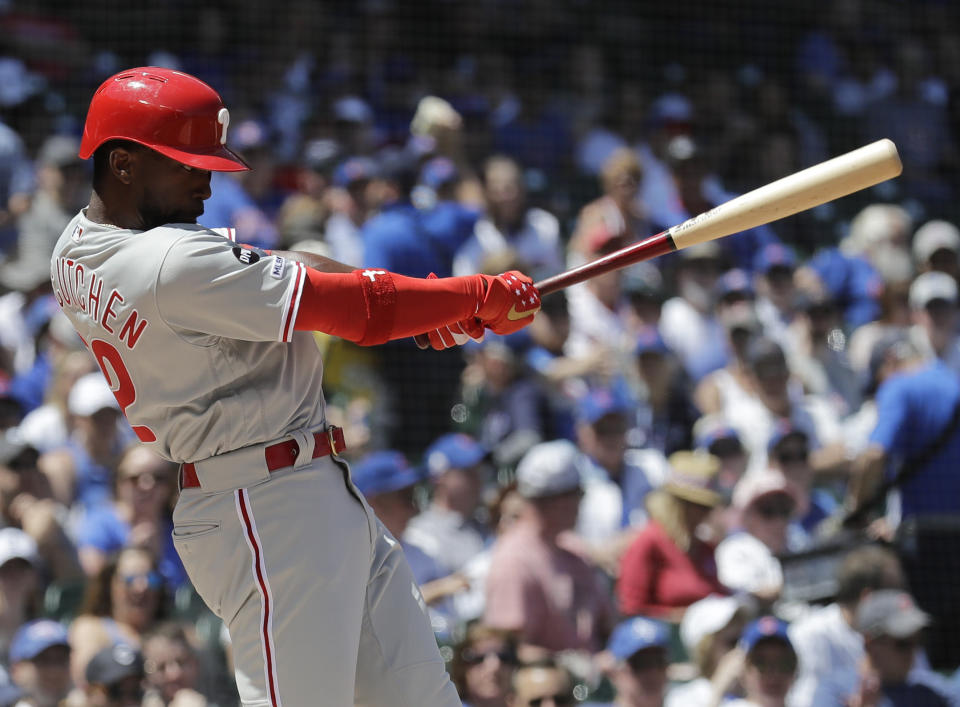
[724, 476]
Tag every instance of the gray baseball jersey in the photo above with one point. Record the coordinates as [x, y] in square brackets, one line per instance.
[185, 325]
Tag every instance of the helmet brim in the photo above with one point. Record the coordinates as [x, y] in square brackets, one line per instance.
[221, 160]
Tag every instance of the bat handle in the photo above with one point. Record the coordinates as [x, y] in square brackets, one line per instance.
[646, 249]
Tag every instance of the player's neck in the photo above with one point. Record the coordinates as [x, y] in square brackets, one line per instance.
[99, 212]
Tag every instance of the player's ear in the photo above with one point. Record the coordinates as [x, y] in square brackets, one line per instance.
[122, 160]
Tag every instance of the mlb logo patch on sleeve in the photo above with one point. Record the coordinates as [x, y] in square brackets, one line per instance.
[278, 265]
[247, 256]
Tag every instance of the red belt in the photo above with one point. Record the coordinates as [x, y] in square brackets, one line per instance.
[279, 455]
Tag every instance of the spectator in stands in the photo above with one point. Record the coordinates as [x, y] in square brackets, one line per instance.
[47, 427]
[26, 501]
[121, 605]
[688, 322]
[387, 481]
[933, 302]
[830, 649]
[599, 310]
[529, 565]
[114, 677]
[817, 359]
[448, 530]
[40, 663]
[542, 684]
[350, 208]
[619, 209]
[447, 222]
[21, 583]
[506, 411]
[511, 224]
[138, 515]
[668, 566]
[936, 247]
[483, 665]
[172, 667]
[873, 253]
[768, 667]
[666, 410]
[789, 453]
[891, 626]
[771, 394]
[709, 631]
[62, 190]
[305, 214]
[83, 470]
[639, 648]
[746, 559]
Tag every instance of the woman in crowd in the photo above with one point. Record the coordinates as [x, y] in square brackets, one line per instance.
[122, 603]
[483, 666]
[668, 566]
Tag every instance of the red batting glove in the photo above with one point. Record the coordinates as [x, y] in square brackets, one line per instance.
[510, 302]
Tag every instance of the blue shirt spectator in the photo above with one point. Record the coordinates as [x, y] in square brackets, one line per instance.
[912, 409]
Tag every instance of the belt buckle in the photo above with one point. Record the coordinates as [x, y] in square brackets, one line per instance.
[331, 440]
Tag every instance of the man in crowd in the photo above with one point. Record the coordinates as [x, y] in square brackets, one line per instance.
[550, 596]
[40, 663]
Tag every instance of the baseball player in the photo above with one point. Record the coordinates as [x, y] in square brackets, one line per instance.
[206, 344]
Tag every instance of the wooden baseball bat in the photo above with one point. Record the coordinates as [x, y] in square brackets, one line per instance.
[840, 176]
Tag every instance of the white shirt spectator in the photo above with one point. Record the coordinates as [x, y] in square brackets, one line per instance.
[745, 564]
[536, 245]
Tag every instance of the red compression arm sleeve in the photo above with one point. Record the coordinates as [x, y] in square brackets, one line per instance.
[373, 306]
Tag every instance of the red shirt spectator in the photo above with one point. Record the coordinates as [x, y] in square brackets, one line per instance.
[667, 567]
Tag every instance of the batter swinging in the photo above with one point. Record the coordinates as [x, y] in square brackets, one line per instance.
[207, 346]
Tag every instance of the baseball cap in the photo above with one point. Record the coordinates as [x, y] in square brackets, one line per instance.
[352, 109]
[353, 170]
[782, 430]
[113, 664]
[549, 469]
[643, 280]
[91, 393]
[710, 429]
[773, 255]
[752, 487]
[439, 171]
[933, 236]
[766, 627]
[650, 341]
[15, 544]
[890, 612]
[600, 402]
[735, 281]
[932, 286]
[692, 477]
[320, 154]
[706, 617]
[383, 472]
[12, 445]
[34, 637]
[635, 634]
[453, 451]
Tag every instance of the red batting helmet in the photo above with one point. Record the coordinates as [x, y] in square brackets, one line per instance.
[169, 111]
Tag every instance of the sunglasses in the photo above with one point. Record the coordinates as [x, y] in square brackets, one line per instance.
[505, 655]
[153, 578]
[646, 660]
[792, 456]
[904, 645]
[775, 509]
[781, 667]
[558, 700]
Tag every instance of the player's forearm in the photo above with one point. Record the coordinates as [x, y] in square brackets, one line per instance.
[374, 306]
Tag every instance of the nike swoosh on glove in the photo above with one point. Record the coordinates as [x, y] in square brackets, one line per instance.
[510, 302]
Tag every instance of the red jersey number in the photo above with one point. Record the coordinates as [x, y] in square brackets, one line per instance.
[123, 388]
